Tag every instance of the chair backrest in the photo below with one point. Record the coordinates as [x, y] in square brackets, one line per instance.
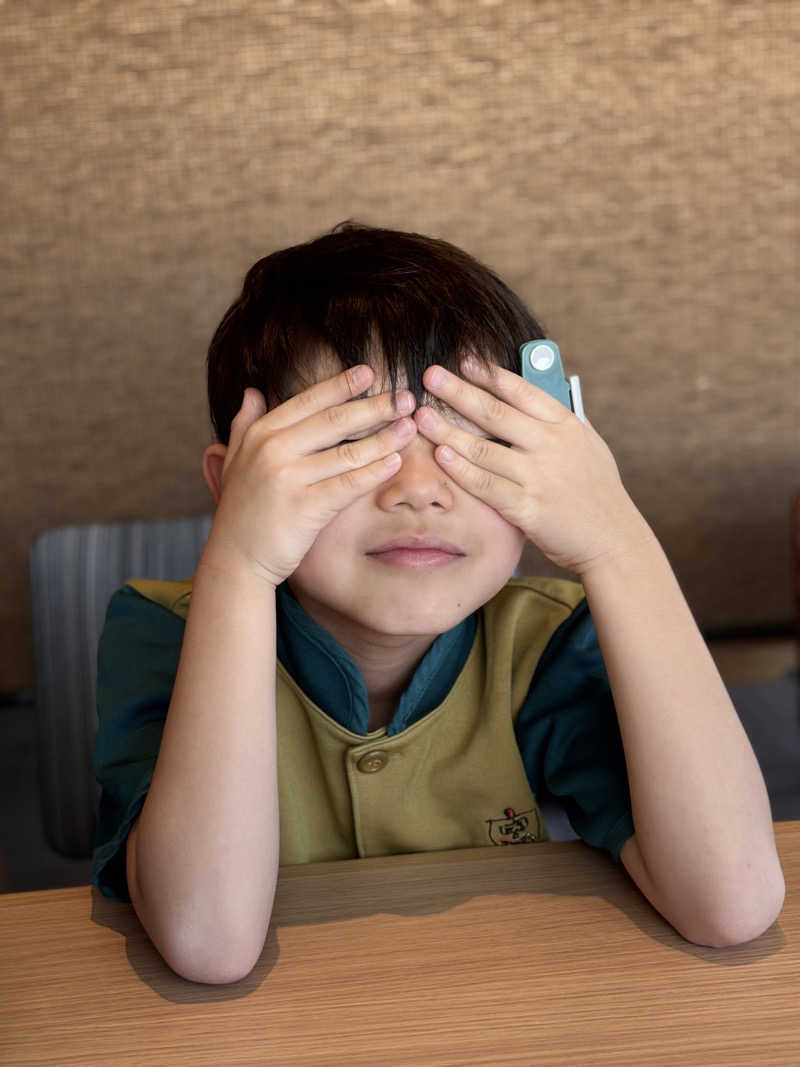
[74, 571]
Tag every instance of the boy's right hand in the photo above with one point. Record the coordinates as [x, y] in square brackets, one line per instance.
[288, 472]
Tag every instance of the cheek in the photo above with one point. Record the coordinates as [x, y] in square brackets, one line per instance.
[501, 545]
[329, 547]
[506, 538]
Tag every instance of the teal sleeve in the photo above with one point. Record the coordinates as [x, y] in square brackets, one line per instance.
[137, 660]
[569, 738]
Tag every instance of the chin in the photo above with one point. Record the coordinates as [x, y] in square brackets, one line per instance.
[429, 624]
[421, 619]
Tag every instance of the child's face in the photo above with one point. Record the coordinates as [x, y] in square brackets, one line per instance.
[369, 573]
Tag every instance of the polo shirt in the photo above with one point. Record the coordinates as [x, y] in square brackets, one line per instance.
[476, 738]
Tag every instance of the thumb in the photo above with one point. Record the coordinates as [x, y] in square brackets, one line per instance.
[253, 400]
[252, 409]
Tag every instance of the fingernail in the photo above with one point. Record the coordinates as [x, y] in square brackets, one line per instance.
[403, 427]
[360, 375]
[435, 375]
[469, 365]
[427, 419]
[405, 401]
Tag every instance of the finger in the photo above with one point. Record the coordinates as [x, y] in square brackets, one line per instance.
[351, 421]
[352, 455]
[347, 385]
[509, 419]
[515, 390]
[480, 451]
[253, 408]
[337, 492]
[498, 492]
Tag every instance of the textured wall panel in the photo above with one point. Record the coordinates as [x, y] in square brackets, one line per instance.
[630, 167]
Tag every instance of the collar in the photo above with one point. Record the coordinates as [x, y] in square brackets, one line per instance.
[327, 675]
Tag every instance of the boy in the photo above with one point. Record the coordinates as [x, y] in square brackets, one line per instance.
[353, 670]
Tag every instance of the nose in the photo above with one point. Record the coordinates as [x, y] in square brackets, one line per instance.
[419, 484]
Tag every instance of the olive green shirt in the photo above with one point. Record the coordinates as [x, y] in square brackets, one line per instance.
[511, 705]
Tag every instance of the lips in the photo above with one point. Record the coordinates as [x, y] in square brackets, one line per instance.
[416, 552]
[417, 544]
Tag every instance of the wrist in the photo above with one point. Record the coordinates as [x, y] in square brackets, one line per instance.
[636, 549]
[222, 561]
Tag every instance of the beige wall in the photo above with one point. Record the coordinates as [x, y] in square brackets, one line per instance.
[631, 167]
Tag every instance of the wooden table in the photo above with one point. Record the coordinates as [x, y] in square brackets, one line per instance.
[532, 954]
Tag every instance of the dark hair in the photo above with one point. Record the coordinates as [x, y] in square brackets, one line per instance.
[360, 291]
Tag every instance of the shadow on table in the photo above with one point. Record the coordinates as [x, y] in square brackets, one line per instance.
[327, 893]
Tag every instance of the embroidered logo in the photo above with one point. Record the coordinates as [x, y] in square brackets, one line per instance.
[512, 829]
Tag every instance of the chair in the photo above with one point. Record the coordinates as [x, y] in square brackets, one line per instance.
[74, 570]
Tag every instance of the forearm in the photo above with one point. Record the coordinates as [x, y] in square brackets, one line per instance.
[203, 859]
[701, 812]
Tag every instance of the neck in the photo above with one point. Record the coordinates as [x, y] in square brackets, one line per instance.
[380, 713]
[386, 671]
[386, 661]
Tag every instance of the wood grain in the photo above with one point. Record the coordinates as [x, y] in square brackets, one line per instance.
[541, 954]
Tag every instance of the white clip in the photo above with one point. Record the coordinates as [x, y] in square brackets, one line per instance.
[577, 397]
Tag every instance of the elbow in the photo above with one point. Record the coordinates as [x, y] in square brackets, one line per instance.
[215, 960]
[215, 970]
[207, 948]
[731, 923]
[201, 944]
[731, 904]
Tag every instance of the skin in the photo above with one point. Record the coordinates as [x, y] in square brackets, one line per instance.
[704, 848]
[387, 616]
[303, 493]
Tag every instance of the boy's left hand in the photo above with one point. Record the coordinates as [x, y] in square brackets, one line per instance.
[557, 479]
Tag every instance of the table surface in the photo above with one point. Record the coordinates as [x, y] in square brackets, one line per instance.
[532, 954]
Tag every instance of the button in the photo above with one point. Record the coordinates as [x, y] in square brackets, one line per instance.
[542, 357]
[371, 762]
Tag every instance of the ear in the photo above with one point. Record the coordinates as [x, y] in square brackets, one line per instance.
[213, 463]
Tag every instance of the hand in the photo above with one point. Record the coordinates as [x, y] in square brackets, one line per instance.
[288, 472]
[555, 478]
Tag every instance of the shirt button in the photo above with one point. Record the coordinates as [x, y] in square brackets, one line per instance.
[371, 762]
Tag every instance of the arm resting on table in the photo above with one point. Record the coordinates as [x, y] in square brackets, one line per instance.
[202, 859]
[704, 848]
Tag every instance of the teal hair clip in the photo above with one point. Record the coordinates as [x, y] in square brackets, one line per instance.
[541, 366]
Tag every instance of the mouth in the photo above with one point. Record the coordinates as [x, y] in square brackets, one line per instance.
[416, 553]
